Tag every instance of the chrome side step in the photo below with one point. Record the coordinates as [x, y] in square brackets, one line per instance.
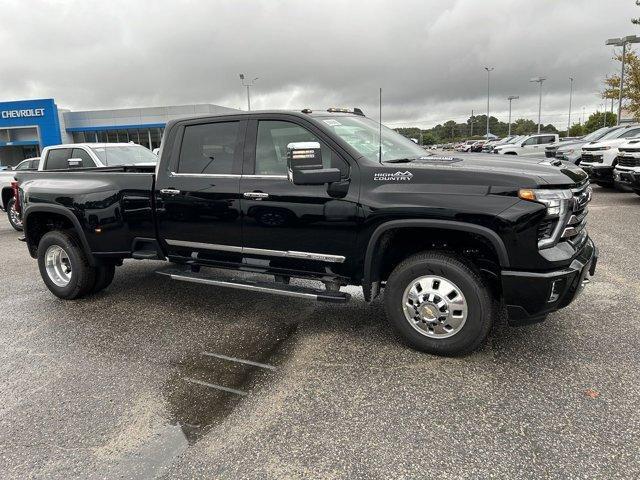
[254, 286]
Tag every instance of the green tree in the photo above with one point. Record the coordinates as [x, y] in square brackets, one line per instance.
[597, 120]
[523, 126]
[631, 88]
[576, 130]
[429, 138]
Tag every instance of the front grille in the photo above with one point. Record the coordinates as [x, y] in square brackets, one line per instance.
[591, 158]
[628, 161]
[578, 213]
[629, 149]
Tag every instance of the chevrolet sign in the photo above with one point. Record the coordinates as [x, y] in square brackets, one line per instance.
[30, 112]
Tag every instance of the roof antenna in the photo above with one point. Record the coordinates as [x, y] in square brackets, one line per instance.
[380, 129]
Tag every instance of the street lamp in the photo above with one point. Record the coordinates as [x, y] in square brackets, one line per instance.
[622, 42]
[510, 98]
[570, 98]
[539, 80]
[248, 85]
[489, 70]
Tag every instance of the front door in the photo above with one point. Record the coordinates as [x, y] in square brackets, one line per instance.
[197, 195]
[298, 227]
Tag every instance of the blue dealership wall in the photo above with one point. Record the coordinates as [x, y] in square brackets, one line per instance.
[26, 113]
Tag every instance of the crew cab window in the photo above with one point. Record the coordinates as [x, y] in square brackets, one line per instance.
[546, 139]
[87, 161]
[209, 148]
[271, 147]
[34, 164]
[530, 141]
[57, 159]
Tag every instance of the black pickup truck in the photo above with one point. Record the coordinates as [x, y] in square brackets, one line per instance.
[331, 197]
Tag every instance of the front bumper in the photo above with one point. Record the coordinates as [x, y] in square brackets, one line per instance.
[630, 178]
[531, 296]
[599, 173]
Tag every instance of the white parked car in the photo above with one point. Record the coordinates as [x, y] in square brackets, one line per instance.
[6, 197]
[466, 146]
[530, 145]
[627, 169]
[599, 158]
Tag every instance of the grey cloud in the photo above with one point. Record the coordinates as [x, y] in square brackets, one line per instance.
[428, 56]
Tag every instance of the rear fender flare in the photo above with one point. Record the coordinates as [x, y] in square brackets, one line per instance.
[63, 211]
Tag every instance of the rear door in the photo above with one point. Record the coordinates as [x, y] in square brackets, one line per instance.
[301, 227]
[197, 192]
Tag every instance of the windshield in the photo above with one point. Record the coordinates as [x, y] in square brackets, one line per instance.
[363, 135]
[596, 135]
[615, 133]
[124, 155]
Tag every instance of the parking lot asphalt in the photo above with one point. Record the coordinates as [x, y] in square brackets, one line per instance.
[127, 384]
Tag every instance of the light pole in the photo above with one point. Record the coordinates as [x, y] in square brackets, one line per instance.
[489, 70]
[622, 42]
[570, 98]
[539, 81]
[510, 98]
[248, 85]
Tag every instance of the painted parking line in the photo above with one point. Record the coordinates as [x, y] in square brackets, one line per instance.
[216, 387]
[239, 360]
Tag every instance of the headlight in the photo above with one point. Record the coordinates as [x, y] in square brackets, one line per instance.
[556, 201]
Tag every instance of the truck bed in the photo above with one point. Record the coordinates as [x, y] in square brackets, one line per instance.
[112, 205]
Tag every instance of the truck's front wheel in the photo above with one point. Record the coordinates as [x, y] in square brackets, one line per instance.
[64, 266]
[439, 304]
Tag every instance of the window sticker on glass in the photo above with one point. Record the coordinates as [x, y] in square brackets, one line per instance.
[332, 123]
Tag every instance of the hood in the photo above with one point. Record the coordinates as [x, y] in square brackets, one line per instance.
[614, 142]
[569, 145]
[490, 170]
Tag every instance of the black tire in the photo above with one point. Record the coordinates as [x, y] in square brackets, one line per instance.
[104, 277]
[83, 275]
[16, 224]
[480, 304]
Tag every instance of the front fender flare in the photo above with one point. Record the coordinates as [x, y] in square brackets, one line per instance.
[370, 281]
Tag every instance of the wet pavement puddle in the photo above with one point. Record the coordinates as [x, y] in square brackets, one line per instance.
[205, 389]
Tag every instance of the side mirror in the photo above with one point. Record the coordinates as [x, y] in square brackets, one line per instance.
[304, 165]
[74, 162]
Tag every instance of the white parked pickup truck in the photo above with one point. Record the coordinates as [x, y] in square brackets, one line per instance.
[600, 158]
[6, 192]
[91, 155]
[531, 145]
[627, 169]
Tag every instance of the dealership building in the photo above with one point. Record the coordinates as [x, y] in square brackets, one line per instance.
[27, 126]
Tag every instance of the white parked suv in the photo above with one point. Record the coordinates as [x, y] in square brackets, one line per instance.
[531, 145]
[91, 155]
[627, 169]
[600, 158]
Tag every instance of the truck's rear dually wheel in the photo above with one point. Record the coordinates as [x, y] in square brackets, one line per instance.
[13, 215]
[64, 266]
[439, 304]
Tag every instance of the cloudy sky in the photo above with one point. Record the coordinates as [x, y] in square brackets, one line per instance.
[428, 56]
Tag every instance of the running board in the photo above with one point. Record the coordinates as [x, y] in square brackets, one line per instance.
[263, 287]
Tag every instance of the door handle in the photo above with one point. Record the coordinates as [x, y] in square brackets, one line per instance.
[256, 195]
[169, 191]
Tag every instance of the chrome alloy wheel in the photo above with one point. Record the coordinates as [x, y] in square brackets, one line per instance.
[58, 265]
[15, 216]
[434, 306]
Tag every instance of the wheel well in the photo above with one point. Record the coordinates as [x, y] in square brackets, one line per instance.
[510, 153]
[7, 193]
[398, 244]
[40, 223]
